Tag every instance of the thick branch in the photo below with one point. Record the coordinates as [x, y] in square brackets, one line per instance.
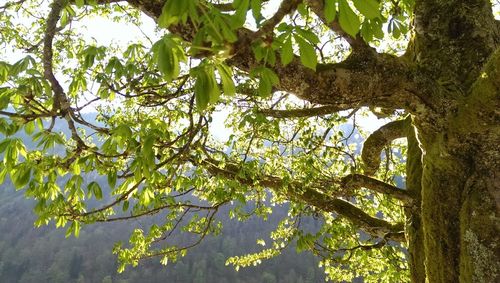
[379, 139]
[356, 181]
[364, 79]
[299, 192]
[60, 101]
[298, 113]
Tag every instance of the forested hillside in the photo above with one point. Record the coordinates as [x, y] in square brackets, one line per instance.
[45, 255]
[29, 254]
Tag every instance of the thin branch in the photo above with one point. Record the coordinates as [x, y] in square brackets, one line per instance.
[121, 198]
[286, 7]
[10, 4]
[203, 234]
[304, 193]
[158, 209]
[24, 116]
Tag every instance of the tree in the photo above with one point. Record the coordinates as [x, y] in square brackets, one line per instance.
[288, 83]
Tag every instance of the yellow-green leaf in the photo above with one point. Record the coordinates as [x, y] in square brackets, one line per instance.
[330, 10]
[287, 51]
[226, 76]
[369, 8]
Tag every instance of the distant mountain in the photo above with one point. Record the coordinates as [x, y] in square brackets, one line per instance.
[45, 255]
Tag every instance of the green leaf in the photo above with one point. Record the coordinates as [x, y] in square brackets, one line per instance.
[267, 79]
[4, 144]
[214, 92]
[148, 151]
[372, 28]
[330, 10]
[302, 9]
[270, 75]
[369, 8]
[226, 30]
[167, 60]
[89, 55]
[11, 154]
[308, 35]
[201, 90]
[79, 3]
[4, 71]
[75, 168]
[287, 51]
[20, 176]
[21, 65]
[226, 76]
[395, 27]
[5, 95]
[256, 6]
[206, 89]
[29, 127]
[265, 87]
[348, 20]
[122, 131]
[239, 17]
[307, 53]
[125, 206]
[74, 228]
[3, 173]
[172, 12]
[112, 179]
[95, 189]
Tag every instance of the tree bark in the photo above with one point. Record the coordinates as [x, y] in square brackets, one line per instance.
[413, 229]
[459, 140]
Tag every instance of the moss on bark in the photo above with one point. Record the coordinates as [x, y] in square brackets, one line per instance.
[413, 227]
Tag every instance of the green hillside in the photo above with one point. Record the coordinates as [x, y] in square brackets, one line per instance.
[37, 255]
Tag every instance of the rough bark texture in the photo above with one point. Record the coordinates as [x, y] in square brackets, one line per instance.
[414, 230]
[453, 94]
[454, 39]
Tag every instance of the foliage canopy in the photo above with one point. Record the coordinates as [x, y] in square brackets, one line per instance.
[287, 75]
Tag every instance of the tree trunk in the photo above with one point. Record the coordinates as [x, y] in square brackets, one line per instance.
[459, 215]
[460, 189]
[459, 137]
